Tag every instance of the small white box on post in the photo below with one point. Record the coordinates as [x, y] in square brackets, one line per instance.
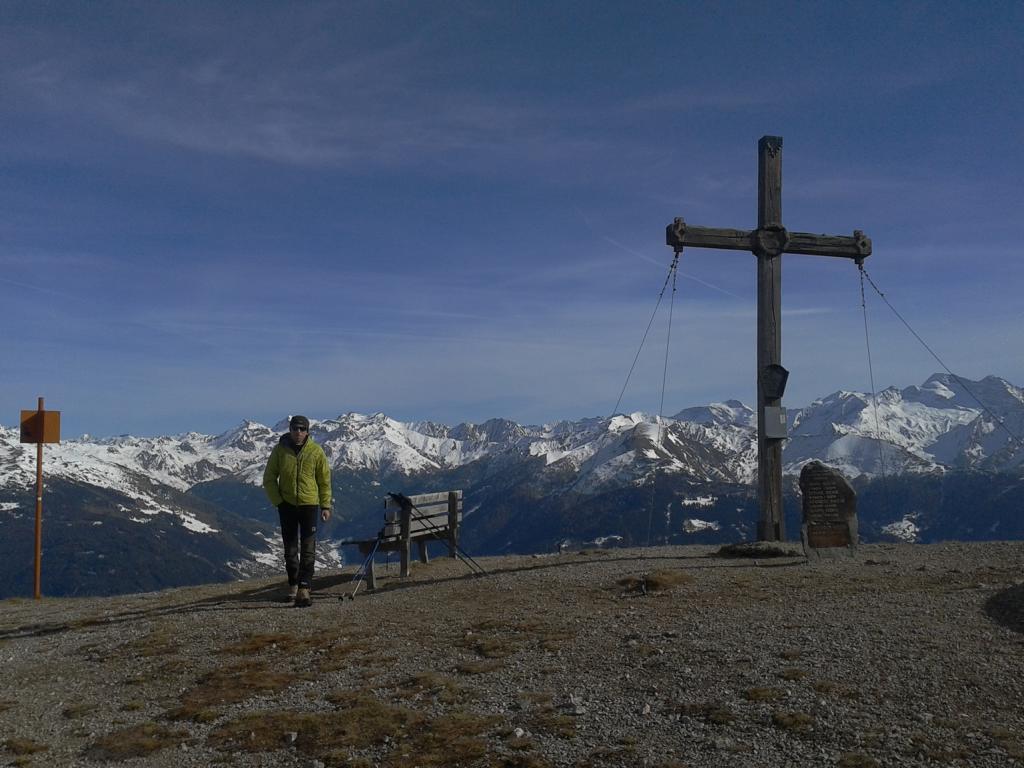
[775, 422]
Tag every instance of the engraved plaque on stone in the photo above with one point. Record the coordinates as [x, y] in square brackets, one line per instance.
[829, 511]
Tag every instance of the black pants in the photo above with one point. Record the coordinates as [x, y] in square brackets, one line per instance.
[296, 522]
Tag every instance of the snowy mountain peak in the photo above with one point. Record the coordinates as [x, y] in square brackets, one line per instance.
[936, 387]
[731, 412]
[247, 436]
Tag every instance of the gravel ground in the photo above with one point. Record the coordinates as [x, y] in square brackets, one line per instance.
[903, 655]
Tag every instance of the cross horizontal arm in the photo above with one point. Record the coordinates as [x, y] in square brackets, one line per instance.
[856, 247]
[679, 234]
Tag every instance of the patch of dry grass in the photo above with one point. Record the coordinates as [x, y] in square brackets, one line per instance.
[230, 685]
[453, 739]
[161, 641]
[5, 705]
[490, 647]
[175, 665]
[24, 746]
[338, 655]
[432, 685]
[363, 721]
[928, 746]
[274, 642]
[536, 699]
[800, 722]
[1007, 740]
[792, 673]
[832, 688]
[763, 693]
[266, 731]
[136, 741]
[478, 667]
[528, 760]
[554, 724]
[504, 637]
[601, 756]
[552, 640]
[856, 760]
[521, 743]
[496, 625]
[713, 712]
[539, 713]
[334, 653]
[77, 710]
[656, 581]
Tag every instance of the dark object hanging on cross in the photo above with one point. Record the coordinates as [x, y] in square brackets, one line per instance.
[768, 242]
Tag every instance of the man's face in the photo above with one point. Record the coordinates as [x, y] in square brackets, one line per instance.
[299, 434]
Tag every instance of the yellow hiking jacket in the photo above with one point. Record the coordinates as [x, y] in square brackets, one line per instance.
[302, 478]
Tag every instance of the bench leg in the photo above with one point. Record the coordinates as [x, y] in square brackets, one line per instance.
[424, 558]
[371, 577]
[404, 573]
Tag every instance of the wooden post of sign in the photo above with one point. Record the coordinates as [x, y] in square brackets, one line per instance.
[768, 242]
[39, 426]
[39, 508]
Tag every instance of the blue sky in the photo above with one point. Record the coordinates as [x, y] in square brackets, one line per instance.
[455, 211]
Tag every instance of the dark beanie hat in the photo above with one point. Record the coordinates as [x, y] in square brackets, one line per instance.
[299, 421]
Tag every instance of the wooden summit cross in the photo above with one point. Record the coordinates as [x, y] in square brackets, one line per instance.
[768, 242]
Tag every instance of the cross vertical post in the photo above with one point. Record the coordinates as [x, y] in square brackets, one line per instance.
[771, 526]
[768, 242]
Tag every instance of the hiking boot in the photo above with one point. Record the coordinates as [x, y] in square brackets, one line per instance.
[292, 591]
[302, 598]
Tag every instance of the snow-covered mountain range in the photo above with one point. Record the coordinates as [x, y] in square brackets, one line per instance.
[925, 429]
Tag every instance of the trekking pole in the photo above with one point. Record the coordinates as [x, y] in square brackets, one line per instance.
[360, 575]
[457, 551]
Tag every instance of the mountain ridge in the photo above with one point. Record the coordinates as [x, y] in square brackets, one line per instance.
[919, 428]
[527, 487]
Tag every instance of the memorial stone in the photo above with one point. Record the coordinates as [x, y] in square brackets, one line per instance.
[829, 512]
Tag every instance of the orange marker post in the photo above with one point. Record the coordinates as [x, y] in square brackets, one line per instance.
[39, 426]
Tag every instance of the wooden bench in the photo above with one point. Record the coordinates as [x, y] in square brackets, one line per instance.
[429, 517]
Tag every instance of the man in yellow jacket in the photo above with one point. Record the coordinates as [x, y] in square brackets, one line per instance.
[298, 482]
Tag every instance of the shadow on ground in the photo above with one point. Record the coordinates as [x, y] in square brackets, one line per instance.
[1006, 608]
[272, 596]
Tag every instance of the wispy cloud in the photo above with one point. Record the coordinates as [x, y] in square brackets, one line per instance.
[373, 107]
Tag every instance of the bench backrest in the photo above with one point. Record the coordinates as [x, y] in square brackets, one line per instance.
[434, 513]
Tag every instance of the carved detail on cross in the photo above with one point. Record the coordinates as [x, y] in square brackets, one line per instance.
[770, 241]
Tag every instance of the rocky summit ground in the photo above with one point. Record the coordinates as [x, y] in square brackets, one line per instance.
[902, 655]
